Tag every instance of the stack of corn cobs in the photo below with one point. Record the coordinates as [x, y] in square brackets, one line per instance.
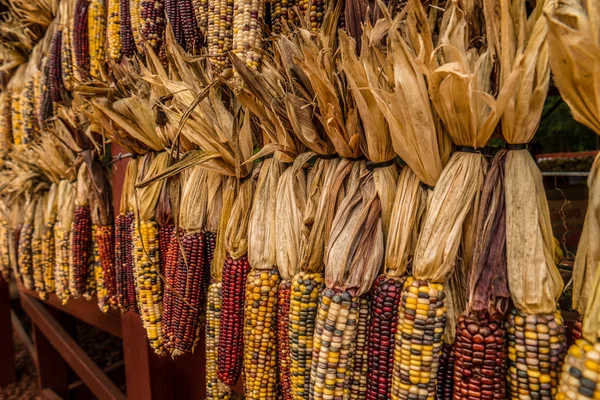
[263, 208]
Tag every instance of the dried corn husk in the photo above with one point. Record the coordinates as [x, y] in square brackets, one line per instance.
[229, 195]
[535, 282]
[127, 202]
[460, 90]
[146, 197]
[193, 200]
[574, 47]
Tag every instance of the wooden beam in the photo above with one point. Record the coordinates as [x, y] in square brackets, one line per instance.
[115, 372]
[85, 310]
[23, 336]
[52, 370]
[8, 372]
[78, 360]
[49, 394]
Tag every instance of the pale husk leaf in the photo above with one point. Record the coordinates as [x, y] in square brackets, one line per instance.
[194, 200]
[236, 235]
[84, 186]
[146, 198]
[131, 172]
[229, 195]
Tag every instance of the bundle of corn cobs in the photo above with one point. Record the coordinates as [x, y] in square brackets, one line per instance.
[265, 209]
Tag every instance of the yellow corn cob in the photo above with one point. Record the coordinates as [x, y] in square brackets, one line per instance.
[580, 379]
[6, 136]
[306, 289]
[134, 7]
[66, 59]
[219, 32]
[149, 284]
[62, 240]
[96, 34]
[5, 250]
[113, 30]
[17, 119]
[260, 335]
[215, 389]
[98, 274]
[28, 112]
[335, 330]
[248, 19]
[418, 340]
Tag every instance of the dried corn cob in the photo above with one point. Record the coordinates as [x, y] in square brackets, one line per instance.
[215, 389]
[128, 44]
[382, 331]
[184, 295]
[248, 20]
[358, 380]
[281, 13]
[200, 8]
[235, 273]
[81, 40]
[5, 250]
[191, 31]
[480, 359]
[55, 83]
[445, 375]
[91, 284]
[61, 272]
[149, 284]
[124, 262]
[105, 241]
[172, 11]
[6, 117]
[16, 118]
[96, 36]
[219, 32]
[210, 243]
[577, 331]
[305, 292]
[136, 28]
[13, 246]
[81, 242]
[579, 379]
[418, 340]
[283, 339]
[260, 333]
[98, 273]
[30, 127]
[48, 255]
[36, 251]
[536, 348]
[66, 59]
[25, 256]
[165, 236]
[316, 12]
[152, 22]
[335, 330]
[113, 30]
[46, 109]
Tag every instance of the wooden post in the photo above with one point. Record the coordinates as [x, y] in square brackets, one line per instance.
[7, 347]
[52, 369]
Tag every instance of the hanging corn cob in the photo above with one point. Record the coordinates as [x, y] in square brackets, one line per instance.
[67, 15]
[81, 40]
[6, 117]
[36, 247]
[124, 279]
[151, 22]
[30, 128]
[16, 222]
[572, 31]
[5, 247]
[113, 30]
[248, 21]
[536, 331]
[146, 255]
[56, 86]
[445, 375]
[96, 36]
[126, 36]
[358, 381]
[62, 238]
[81, 234]
[219, 32]
[480, 349]
[25, 244]
[16, 118]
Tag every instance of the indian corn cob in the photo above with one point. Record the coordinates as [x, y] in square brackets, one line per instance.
[150, 291]
[579, 379]
[248, 20]
[219, 34]
[229, 358]
[61, 272]
[81, 39]
[445, 375]
[55, 83]
[91, 282]
[281, 11]
[28, 113]
[577, 330]
[126, 38]
[536, 348]
[124, 278]
[66, 58]
[16, 118]
[5, 250]
[283, 339]
[48, 255]
[136, 28]
[382, 332]
[81, 243]
[418, 340]
[215, 389]
[260, 333]
[480, 359]
[200, 9]
[14, 234]
[113, 30]
[170, 272]
[98, 273]
[96, 36]
[36, 251]
[25, 255]
[46, 109]
[359, 378]
[104, 240]
[6, 117]
[305, 292]
[165, 236]
[172, 11]
[151, 22]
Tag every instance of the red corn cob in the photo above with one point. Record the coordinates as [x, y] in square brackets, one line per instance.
[56, 85]
[387, 292]
[229, 357]
[283, 338]
[170, 271]
[80, 37]
[124, 289]
[152, 20]
[127, 41]
[191, 32]
[172, 10]
[445, 375]
[81, 241]
[105, 238]
[188, 284]
[165, 234]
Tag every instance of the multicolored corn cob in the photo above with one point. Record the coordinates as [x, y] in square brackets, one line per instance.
[98, 273]
[219, 34]
[6, 117]
[576, 331]
[25, 256]
[536, 349]
[283, 339]
[56, 85]
[105, 240]
[152, 22]
[113, 30]
[96, 36]
[81, 41]
[215, 389]
[260, 335]
[66, 59]
[48, 255]
[5, 250]
[62, 240]
[382, 332]
[124, 286]
[580, 378]
[81, 242]
[421, 323]
[445, 375]
[248, 21]
[126, 33]
[230, 356]
[335, 331]
[30, 126]
[358, 379]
